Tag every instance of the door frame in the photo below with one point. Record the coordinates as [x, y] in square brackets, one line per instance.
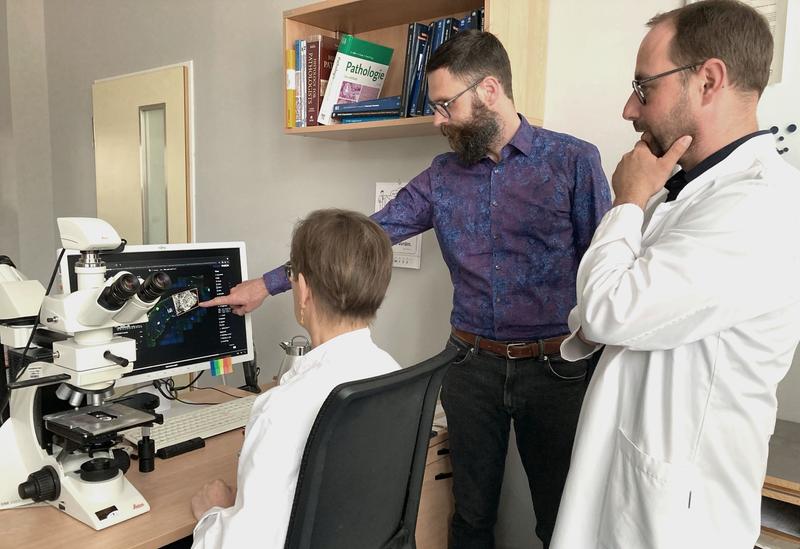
[190, 134]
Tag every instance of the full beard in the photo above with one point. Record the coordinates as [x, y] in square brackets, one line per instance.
[472, 140]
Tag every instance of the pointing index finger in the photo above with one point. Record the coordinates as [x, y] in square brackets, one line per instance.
[221, 300]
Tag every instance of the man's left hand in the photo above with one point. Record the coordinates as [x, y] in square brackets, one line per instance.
[214, 494]
[640, 174]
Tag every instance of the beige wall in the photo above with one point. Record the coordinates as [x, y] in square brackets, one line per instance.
[9, 231]
[26, 179]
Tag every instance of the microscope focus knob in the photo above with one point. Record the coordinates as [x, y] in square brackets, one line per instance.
[43, 485]
[122, 459]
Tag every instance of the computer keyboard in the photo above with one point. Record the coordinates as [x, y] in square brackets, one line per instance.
[203, 422]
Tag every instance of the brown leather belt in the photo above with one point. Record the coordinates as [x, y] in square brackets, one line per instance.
[514, 350]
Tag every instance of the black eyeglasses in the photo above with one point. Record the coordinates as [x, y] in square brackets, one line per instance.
[637, 84]
[287, 268]
[441, 108]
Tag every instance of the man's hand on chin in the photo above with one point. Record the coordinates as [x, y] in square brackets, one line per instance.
[641, 174]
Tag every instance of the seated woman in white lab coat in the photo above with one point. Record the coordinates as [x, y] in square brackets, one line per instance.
[340, 268]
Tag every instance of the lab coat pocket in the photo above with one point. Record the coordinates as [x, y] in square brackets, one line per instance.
[647, 502]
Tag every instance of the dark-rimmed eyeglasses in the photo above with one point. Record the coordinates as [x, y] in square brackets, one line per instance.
[287, 268]
[441, 107]
[637, 84]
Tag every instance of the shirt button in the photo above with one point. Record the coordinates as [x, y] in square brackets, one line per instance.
[497, 267]
[497, 300]
[494, 203]
[494, 236]
[496, 170]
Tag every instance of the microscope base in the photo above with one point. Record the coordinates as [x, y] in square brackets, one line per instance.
[99, 504]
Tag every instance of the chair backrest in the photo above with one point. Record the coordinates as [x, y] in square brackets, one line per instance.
[361, 475]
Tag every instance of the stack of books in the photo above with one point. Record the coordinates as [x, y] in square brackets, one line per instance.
[308, 68]
[358, 74]
[423, 40]
[385, 108]
[332, 81]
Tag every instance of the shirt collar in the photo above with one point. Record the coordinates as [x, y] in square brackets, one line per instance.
[677, 182]
[343, 344]
[523, 138]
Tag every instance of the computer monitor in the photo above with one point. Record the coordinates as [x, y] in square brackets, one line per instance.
[179, 337]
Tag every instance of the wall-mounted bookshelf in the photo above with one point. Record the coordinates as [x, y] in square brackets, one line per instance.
[521, 26]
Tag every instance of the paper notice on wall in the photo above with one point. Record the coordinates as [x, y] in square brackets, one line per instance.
[775, 13]
[407, 253]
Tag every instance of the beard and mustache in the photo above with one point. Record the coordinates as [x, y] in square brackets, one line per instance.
[678, 122]
[472, 140]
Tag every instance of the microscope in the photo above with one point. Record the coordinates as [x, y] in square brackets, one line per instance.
[68, 448]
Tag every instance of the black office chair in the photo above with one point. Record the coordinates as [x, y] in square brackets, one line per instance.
[361, 475]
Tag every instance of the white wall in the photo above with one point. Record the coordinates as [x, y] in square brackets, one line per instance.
[780, 106]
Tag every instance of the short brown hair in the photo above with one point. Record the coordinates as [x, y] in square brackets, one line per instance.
[723, 29]
[474, 54]
[346, 260]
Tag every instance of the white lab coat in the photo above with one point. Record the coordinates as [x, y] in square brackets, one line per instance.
[698, 304]
[275, 438]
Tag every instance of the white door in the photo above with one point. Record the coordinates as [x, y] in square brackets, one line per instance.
[141, 143]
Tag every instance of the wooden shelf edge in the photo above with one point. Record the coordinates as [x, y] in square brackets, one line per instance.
[776, 492]
[780, 535]
[417, 126]
[782, 483]
[315, 7]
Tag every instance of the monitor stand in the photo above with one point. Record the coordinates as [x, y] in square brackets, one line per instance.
[251, 371]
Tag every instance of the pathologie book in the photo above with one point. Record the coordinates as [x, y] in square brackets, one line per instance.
[358, 74]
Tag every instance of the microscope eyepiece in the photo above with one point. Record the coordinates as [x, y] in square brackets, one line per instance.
[120, 291]
[154, 287]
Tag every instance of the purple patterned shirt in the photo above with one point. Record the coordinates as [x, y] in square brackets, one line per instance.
[511, 233]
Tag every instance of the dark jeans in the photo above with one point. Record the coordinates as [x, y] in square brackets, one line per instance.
[481, 396]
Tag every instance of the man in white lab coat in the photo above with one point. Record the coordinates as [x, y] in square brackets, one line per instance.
[693, 287]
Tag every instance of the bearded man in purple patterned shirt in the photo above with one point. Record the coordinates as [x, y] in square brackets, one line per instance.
[514, 208]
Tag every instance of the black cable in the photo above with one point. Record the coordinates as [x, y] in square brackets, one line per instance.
[139, 386]
[173, 393]
[226, 393]
[16, 377]
[192, 382]
[158, 384]
[126, 393]
[196, 403]
[36, 323]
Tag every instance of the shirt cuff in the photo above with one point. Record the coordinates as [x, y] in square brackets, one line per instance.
[276, 281]
[205, 521]
[574, 349]
[623, 222]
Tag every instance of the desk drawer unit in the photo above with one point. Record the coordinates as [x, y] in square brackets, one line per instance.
[436, 501]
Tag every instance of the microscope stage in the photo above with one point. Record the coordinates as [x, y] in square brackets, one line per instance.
[84, 424]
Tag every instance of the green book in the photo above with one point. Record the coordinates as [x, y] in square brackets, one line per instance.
[358, 74]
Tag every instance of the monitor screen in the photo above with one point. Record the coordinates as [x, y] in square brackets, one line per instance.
[180, 337]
